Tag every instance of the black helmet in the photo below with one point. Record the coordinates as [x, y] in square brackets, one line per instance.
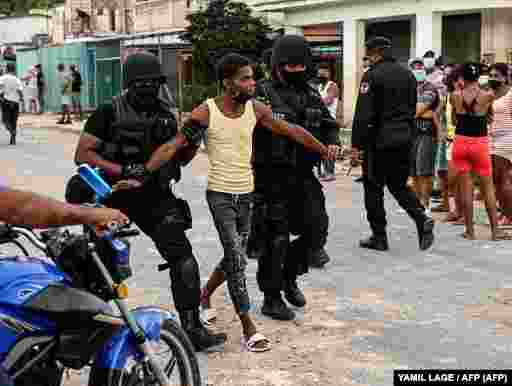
[378, 42]
[291, 49]
[140, 66]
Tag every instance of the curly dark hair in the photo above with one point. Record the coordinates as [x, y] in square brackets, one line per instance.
[229, 64]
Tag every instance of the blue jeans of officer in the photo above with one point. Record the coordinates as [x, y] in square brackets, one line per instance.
[231, 214]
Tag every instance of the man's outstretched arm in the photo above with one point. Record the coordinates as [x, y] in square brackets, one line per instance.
[190, 136]
[26, 208]
[294, 132]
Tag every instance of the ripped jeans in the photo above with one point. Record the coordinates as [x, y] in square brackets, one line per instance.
[231, 214]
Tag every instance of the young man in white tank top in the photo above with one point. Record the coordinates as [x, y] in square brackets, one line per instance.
[329, 93]
[230, 120]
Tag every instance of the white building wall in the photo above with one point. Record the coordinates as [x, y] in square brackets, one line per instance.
[22, 29]
[426, 26]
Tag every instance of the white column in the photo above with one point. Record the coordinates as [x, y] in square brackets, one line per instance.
[428, 33]
[353, 52]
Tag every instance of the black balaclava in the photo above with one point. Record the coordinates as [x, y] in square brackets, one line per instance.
[144, 95]
[292, 49]
[142, 76]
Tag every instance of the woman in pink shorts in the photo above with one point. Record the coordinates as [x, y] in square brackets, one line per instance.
[471, 148]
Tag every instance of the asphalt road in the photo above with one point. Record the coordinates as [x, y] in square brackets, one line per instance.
[445, 308]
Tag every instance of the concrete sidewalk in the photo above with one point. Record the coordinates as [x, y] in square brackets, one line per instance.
[47, 121]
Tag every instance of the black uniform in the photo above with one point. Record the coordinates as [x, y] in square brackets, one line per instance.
[130, 133]
[383, 128]
[288, 196]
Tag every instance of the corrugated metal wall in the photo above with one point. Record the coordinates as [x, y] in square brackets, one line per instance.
[49, 58]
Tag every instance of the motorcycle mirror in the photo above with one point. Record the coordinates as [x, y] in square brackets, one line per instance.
[95, 181]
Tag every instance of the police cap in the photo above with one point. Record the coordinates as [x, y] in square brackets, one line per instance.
[142, 66]
[378, 42]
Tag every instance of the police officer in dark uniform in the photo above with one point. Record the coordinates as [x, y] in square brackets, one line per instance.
[288, 195]
[119, 138]
[383, 127]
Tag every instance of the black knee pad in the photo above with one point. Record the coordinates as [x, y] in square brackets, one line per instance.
[185, 270]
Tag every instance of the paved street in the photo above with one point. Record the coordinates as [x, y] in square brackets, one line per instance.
[368, 312]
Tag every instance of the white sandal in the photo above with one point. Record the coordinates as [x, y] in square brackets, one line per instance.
[250, 344]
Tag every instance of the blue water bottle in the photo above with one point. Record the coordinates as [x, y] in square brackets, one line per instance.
[94, 180]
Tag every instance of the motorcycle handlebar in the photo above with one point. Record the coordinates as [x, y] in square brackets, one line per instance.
[30, 236]
[126, 233]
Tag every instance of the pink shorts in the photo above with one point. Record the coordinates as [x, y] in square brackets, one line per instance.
[472, 154]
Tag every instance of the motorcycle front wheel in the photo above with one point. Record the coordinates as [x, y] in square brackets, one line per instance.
[174, 352]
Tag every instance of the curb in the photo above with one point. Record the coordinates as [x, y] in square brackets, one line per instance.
[53, 128]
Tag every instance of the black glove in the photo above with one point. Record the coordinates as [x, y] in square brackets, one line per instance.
[193, 132]
[136, 172]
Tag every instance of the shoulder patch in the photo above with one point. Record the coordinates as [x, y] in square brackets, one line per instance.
[365, 87]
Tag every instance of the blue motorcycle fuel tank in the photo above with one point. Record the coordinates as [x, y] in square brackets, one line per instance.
[21, 278]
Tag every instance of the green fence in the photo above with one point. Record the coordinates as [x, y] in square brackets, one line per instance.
[108, 70]
[49, 58]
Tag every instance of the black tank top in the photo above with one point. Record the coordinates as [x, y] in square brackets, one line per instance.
[471, 124]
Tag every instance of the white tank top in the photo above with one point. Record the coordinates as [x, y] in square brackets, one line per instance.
[333, 107]
[230, 149]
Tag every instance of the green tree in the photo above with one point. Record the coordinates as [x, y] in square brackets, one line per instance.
[23, 7]
[224, 26]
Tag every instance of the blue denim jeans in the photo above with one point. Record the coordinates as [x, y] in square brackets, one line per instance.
[231, 214]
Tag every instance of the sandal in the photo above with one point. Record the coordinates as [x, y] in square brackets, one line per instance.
[252, 343]
[501, 235]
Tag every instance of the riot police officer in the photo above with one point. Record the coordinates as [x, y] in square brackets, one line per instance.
[119, 138]
[287, 194]
[383, 127]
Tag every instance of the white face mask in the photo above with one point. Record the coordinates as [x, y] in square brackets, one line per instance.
[483, 80]
[429, 63]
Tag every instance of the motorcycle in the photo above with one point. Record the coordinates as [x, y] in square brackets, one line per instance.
[56, 312]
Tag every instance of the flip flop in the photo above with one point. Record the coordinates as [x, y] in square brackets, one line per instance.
[251, 343]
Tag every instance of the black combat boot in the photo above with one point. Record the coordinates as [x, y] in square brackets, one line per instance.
[379, 243]
[275, 308]
[200, 337]
[318, 258]
[293, 294]
[426, 233]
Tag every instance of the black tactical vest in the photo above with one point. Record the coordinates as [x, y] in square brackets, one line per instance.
[270, 149]
[138, 137]
[303, 108]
